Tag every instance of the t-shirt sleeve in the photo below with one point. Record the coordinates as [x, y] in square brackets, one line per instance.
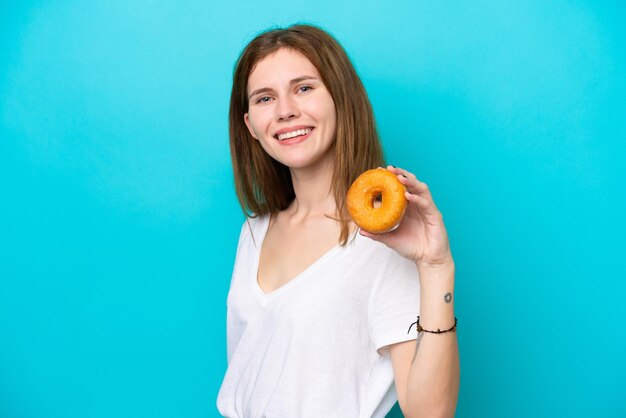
[394, 302]
[232, 333]
[245, 228]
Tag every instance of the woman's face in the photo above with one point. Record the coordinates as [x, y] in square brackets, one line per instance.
[291, 113]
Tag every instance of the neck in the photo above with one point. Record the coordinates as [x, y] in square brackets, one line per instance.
[312, 189]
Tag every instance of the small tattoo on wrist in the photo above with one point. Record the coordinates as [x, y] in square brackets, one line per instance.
[448, 297]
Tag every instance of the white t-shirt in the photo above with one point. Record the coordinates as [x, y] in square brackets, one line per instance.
[316, 347]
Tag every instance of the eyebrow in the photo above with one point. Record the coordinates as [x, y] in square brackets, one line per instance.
[292, 82]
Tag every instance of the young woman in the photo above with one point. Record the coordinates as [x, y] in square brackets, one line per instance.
[318, 310]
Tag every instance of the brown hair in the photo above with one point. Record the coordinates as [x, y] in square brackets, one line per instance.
[263, 185]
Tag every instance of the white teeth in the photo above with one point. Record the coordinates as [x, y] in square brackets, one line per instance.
[294, 133]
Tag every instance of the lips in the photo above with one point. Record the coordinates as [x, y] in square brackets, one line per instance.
[293, 132]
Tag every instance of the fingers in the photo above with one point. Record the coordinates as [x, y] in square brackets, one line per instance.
[417, 191]
[386, 238]
[400, 171]
[375, 237]
[412, 184]
[425, 204]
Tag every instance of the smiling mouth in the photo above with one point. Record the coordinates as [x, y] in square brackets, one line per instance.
[293, 134]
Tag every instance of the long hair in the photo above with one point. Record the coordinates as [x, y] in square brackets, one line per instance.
[263, 185]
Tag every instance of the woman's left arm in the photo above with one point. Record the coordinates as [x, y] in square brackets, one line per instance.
[427, 372]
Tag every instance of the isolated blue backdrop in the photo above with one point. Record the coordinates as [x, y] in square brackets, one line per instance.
[118, 220]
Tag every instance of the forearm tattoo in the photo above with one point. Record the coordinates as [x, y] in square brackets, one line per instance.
[447, 298]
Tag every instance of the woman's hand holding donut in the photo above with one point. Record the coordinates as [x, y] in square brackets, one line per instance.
[421, 235]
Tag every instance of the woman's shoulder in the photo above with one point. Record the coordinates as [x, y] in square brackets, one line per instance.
[253, 227]
[256, 221]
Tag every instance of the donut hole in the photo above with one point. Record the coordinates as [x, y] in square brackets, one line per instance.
[377, 200]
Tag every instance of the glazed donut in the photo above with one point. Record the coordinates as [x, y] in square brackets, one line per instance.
[377, 184]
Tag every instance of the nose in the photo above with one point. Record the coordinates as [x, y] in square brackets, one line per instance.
[286, 109]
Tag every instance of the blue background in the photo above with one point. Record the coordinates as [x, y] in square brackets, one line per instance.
[118, 220]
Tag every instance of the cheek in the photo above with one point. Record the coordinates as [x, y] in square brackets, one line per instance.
[332, 118]
[257, 124]
[331, 113]
[324, 111]
[254, 128]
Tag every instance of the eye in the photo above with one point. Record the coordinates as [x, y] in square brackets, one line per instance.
[263, 99]
[305, 89]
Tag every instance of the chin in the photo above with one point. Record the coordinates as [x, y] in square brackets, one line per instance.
[304, 161]
[296, 164]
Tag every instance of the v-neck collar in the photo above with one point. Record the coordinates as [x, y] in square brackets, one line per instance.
[263, 228]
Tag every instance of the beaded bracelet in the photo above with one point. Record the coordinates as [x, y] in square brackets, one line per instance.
[420, 329]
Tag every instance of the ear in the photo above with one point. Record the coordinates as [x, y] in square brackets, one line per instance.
[247, 120]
